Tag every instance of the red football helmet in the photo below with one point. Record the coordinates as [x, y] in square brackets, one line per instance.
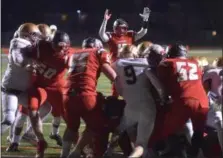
[120, 27]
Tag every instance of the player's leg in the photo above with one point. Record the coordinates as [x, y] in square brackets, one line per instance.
[17, 130]
[198, 118]
[55, 98]
[37, 96]
[144, 130]
[72, 119]
[214, 120]
[95, 121]
[29, 135]
[9, 107]
[189, 130]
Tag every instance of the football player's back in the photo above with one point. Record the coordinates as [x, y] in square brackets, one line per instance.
[133, 81]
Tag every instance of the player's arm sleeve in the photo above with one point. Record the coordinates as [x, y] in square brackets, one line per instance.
[102, 31]
[207, 79]
[142, 32]
[20, 56]
[157, 84]
[104, 59]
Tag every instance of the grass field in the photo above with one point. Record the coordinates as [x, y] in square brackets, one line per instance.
[26, 150]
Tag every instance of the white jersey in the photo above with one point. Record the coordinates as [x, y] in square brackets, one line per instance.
[133, 83]
[216, 77]
[17, 77]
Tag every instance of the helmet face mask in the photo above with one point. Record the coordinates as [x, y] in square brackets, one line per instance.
[61, 42]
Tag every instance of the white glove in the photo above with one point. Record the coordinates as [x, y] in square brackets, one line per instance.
[145, 14]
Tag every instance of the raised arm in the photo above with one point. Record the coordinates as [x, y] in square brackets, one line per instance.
[102, 31]
[145, 16]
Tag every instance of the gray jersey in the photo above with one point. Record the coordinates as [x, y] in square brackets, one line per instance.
[133, 83]
[16, 76]
[216, 77]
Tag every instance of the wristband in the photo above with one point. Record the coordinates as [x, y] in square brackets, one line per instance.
[145, 24]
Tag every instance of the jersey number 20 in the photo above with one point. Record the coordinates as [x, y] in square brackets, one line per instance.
[185, 74]
[130, 74]
[46, 72]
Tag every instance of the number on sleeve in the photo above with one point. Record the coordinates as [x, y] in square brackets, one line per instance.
[130, 74]
[187, 74]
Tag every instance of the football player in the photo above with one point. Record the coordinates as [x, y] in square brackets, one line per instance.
[82, 99]
[135, 76]
[51, 65]
[212, 80]
[120, 35]
[17, 79]
[44, 110]
[47, 35]
[182, 80]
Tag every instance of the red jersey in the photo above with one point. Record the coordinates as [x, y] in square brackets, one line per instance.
[85, 69]
[116, 42]
[182, 78]
[52, 66]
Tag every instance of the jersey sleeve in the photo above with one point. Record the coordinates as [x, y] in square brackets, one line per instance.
[207, 76]
[163, 71]
[104, 56]
[131, 34]
[18, 51]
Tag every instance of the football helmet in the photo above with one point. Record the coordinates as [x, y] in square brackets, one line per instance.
[128, 51]
[177, 50]
[156, 55]
[29, 31]
[143, 48]
[61, 42]
[120, 27]
[218, 62]
[45, 31]
[91, 42]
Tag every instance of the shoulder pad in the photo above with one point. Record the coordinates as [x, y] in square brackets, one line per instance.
[19, 43]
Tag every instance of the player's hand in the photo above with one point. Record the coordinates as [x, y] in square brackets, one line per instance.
[107, 16]
[146, 13]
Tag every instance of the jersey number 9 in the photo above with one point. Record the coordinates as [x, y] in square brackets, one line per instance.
[130, 74]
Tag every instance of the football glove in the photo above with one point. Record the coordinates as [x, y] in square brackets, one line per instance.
[146, 13]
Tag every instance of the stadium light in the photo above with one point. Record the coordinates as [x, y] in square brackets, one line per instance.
[214, 33]
[64, 17]
[78, 11]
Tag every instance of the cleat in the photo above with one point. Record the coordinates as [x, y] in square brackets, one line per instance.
[41, 147]
[13, 147]
[30, 138]
[57, 138]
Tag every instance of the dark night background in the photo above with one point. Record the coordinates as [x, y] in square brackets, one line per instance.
[189, 21]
